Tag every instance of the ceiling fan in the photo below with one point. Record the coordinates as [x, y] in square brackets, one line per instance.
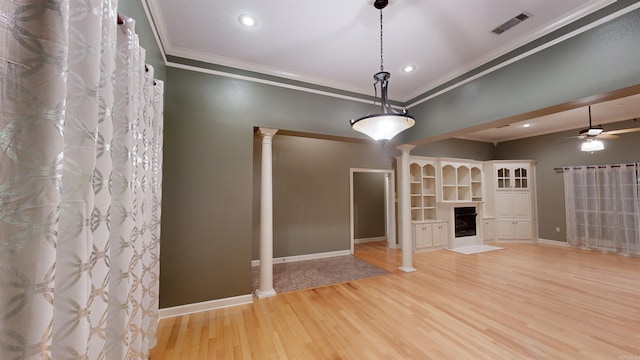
[593, 132]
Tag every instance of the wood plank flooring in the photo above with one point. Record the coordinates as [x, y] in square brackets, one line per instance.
[524, 302]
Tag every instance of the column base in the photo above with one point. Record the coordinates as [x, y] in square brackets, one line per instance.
[407, 269]
[265, 294]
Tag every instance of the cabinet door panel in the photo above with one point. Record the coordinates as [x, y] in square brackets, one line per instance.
[488, 230]
[440, 234]
[423, 236]
[521, 205]
[504, 204]
[522, 229]
[505, 229]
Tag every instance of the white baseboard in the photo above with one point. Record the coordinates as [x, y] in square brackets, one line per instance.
[553, 242]
[305, 257]
[205, 306]
[514, 241]
[371, 239]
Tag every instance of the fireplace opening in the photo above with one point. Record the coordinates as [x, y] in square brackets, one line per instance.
[465, 220]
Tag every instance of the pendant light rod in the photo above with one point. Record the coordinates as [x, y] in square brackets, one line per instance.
[381, 44]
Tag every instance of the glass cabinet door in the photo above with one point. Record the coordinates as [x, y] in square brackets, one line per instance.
[520, 178]
[503, 178]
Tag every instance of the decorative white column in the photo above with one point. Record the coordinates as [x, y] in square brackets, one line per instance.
[404, 207]
[265, 289]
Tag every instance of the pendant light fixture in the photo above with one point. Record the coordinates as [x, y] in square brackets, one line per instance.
[389, 122]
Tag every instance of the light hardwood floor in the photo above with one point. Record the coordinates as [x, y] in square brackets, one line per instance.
[524, 302]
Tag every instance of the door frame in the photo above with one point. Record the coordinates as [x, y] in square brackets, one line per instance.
[389, 205]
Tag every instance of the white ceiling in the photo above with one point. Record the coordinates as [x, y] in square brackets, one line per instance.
[336, 43]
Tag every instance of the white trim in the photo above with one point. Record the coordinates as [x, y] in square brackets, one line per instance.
[305, 257]
[530, 52]
[266, 70]
[368, 240]
[513, 241]
[389, 208]
[204, 306]
[265, 294]
[267, 82]
[152, 23]
[553, 242]
[407, 269]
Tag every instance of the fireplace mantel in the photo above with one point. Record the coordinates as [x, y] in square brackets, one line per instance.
[460, 203]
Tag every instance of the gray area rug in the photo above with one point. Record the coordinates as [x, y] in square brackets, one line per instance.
[298, 275]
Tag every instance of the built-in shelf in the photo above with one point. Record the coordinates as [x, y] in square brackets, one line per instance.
[461, 182]
[423, 190]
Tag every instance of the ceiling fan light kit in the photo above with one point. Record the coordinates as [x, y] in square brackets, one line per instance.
[592, 145]
[389, 122]
[591, 142]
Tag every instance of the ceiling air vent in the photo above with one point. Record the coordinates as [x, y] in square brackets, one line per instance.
[511, 23]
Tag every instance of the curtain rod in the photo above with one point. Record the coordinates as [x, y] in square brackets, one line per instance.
[561, 169]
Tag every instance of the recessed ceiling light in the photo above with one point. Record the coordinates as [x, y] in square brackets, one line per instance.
[526, 125]
[409, 68]
[247, 20]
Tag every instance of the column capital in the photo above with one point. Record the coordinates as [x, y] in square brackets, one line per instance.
[267, 131]
[405, 147]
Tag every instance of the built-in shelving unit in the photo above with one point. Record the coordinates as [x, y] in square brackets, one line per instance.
[461, 182]
[501, 192]
[476, 183]
[423, 191]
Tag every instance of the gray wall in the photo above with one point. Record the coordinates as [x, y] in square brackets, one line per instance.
[562, 149]
[368, 205]
[311, 191]
[457, 148]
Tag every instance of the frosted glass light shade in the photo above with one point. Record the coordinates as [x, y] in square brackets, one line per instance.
[592, 145]
[383, 126]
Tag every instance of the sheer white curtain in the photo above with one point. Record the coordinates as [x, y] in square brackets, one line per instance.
[603, 207]
[80, 183]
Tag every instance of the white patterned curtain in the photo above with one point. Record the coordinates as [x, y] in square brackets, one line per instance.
[80, 183]
[603, 207]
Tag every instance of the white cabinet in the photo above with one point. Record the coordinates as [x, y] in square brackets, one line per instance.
[488, 230]
[423, 236]
[511, 229]
[440, 234]
[513, 201]
[430, 235]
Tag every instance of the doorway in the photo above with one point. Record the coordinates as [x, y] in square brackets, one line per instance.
[380, 179]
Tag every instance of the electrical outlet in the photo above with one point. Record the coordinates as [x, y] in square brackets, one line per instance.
[557, 229]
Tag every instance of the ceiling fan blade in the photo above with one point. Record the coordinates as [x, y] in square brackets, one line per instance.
[623, 131]
[608, 136]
